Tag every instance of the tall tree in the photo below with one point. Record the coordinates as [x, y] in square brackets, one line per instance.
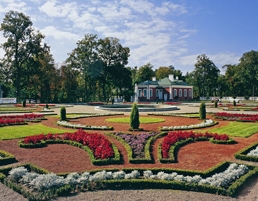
[233, 80]
[144, 73]
[84, 58]
[114, 56]
[22, 44]
[164, 71]
[248, 67]
[206, 75]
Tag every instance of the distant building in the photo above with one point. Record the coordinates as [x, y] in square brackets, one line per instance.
[166, 89]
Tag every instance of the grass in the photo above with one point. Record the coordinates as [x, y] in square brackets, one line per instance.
[143, 120]
[3, 109]
[12, 132]
[236, 129]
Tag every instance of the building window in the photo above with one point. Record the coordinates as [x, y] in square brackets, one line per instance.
[151, 93]
[190, 93]
[185, 93]
[180, 92]
[144, 92]
[157, 93]
[175, 93]
[140, 93]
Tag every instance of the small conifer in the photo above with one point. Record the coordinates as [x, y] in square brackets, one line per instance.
[134, 117]
[202, 111]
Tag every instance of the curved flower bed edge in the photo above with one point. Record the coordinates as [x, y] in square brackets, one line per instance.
[181, 141]
[206, 123]
[147, 148]
[84, 127]
[6, 158]
[134, 183]
[242, 154]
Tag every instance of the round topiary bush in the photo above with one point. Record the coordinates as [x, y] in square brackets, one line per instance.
[62, 113]
[202, 110]
[134, 117]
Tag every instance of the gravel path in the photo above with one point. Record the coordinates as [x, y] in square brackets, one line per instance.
[248, 193]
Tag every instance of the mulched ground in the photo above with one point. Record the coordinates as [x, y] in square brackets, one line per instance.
[59, 158]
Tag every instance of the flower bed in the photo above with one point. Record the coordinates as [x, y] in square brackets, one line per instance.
[27, 105]
[172, 103]
[175, 139]
[38, 184]
[85, 127]
[204, 124]
[94, 143]
[137, 146]
[249, 153]
[8, 120]
[236, 116]
[6, 158]
[44, 105]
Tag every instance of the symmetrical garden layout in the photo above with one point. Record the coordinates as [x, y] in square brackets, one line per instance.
[104, 151]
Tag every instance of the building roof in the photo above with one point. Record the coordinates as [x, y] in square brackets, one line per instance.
[166, 82]
[149, 82]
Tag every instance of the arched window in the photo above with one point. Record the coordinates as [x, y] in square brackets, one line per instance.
[190, 93]
[175, 93]
[145, 92]
[140, 93]
[185, 93]
[180, 92]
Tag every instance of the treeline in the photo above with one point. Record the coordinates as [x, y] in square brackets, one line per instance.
[96, 69]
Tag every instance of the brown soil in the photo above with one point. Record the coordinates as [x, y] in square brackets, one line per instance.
[59, 158]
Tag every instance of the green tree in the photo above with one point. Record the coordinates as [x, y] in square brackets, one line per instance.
[248, 68]
[163, 72]
[222, 87]
[113, 56]
[233, 80]
[144, 73]
[22, 46]
[84, 58]
[206, 75]
[134, 117]
[62, 113]
[202, 110]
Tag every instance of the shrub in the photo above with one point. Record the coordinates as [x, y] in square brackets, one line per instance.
[134, 117]
[234, 103]
[24, 103]
[216, 103]
[202, 110]
[62, 114]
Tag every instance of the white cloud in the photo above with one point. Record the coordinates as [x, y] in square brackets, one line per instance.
[15, 6]
[59, 35]
[52, 9]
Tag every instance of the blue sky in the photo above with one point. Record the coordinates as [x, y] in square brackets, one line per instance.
[172, 32]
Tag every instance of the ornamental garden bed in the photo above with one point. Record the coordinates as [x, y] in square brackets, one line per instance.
[192, 159]
[6, 158]
[38, 184]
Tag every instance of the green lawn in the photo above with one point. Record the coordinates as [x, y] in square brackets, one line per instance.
[143, 120]
[12, 132]
[237, 129]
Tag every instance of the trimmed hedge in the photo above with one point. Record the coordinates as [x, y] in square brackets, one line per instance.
[115, 160]
[135, 183]
[242, 153]
[7, 158]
